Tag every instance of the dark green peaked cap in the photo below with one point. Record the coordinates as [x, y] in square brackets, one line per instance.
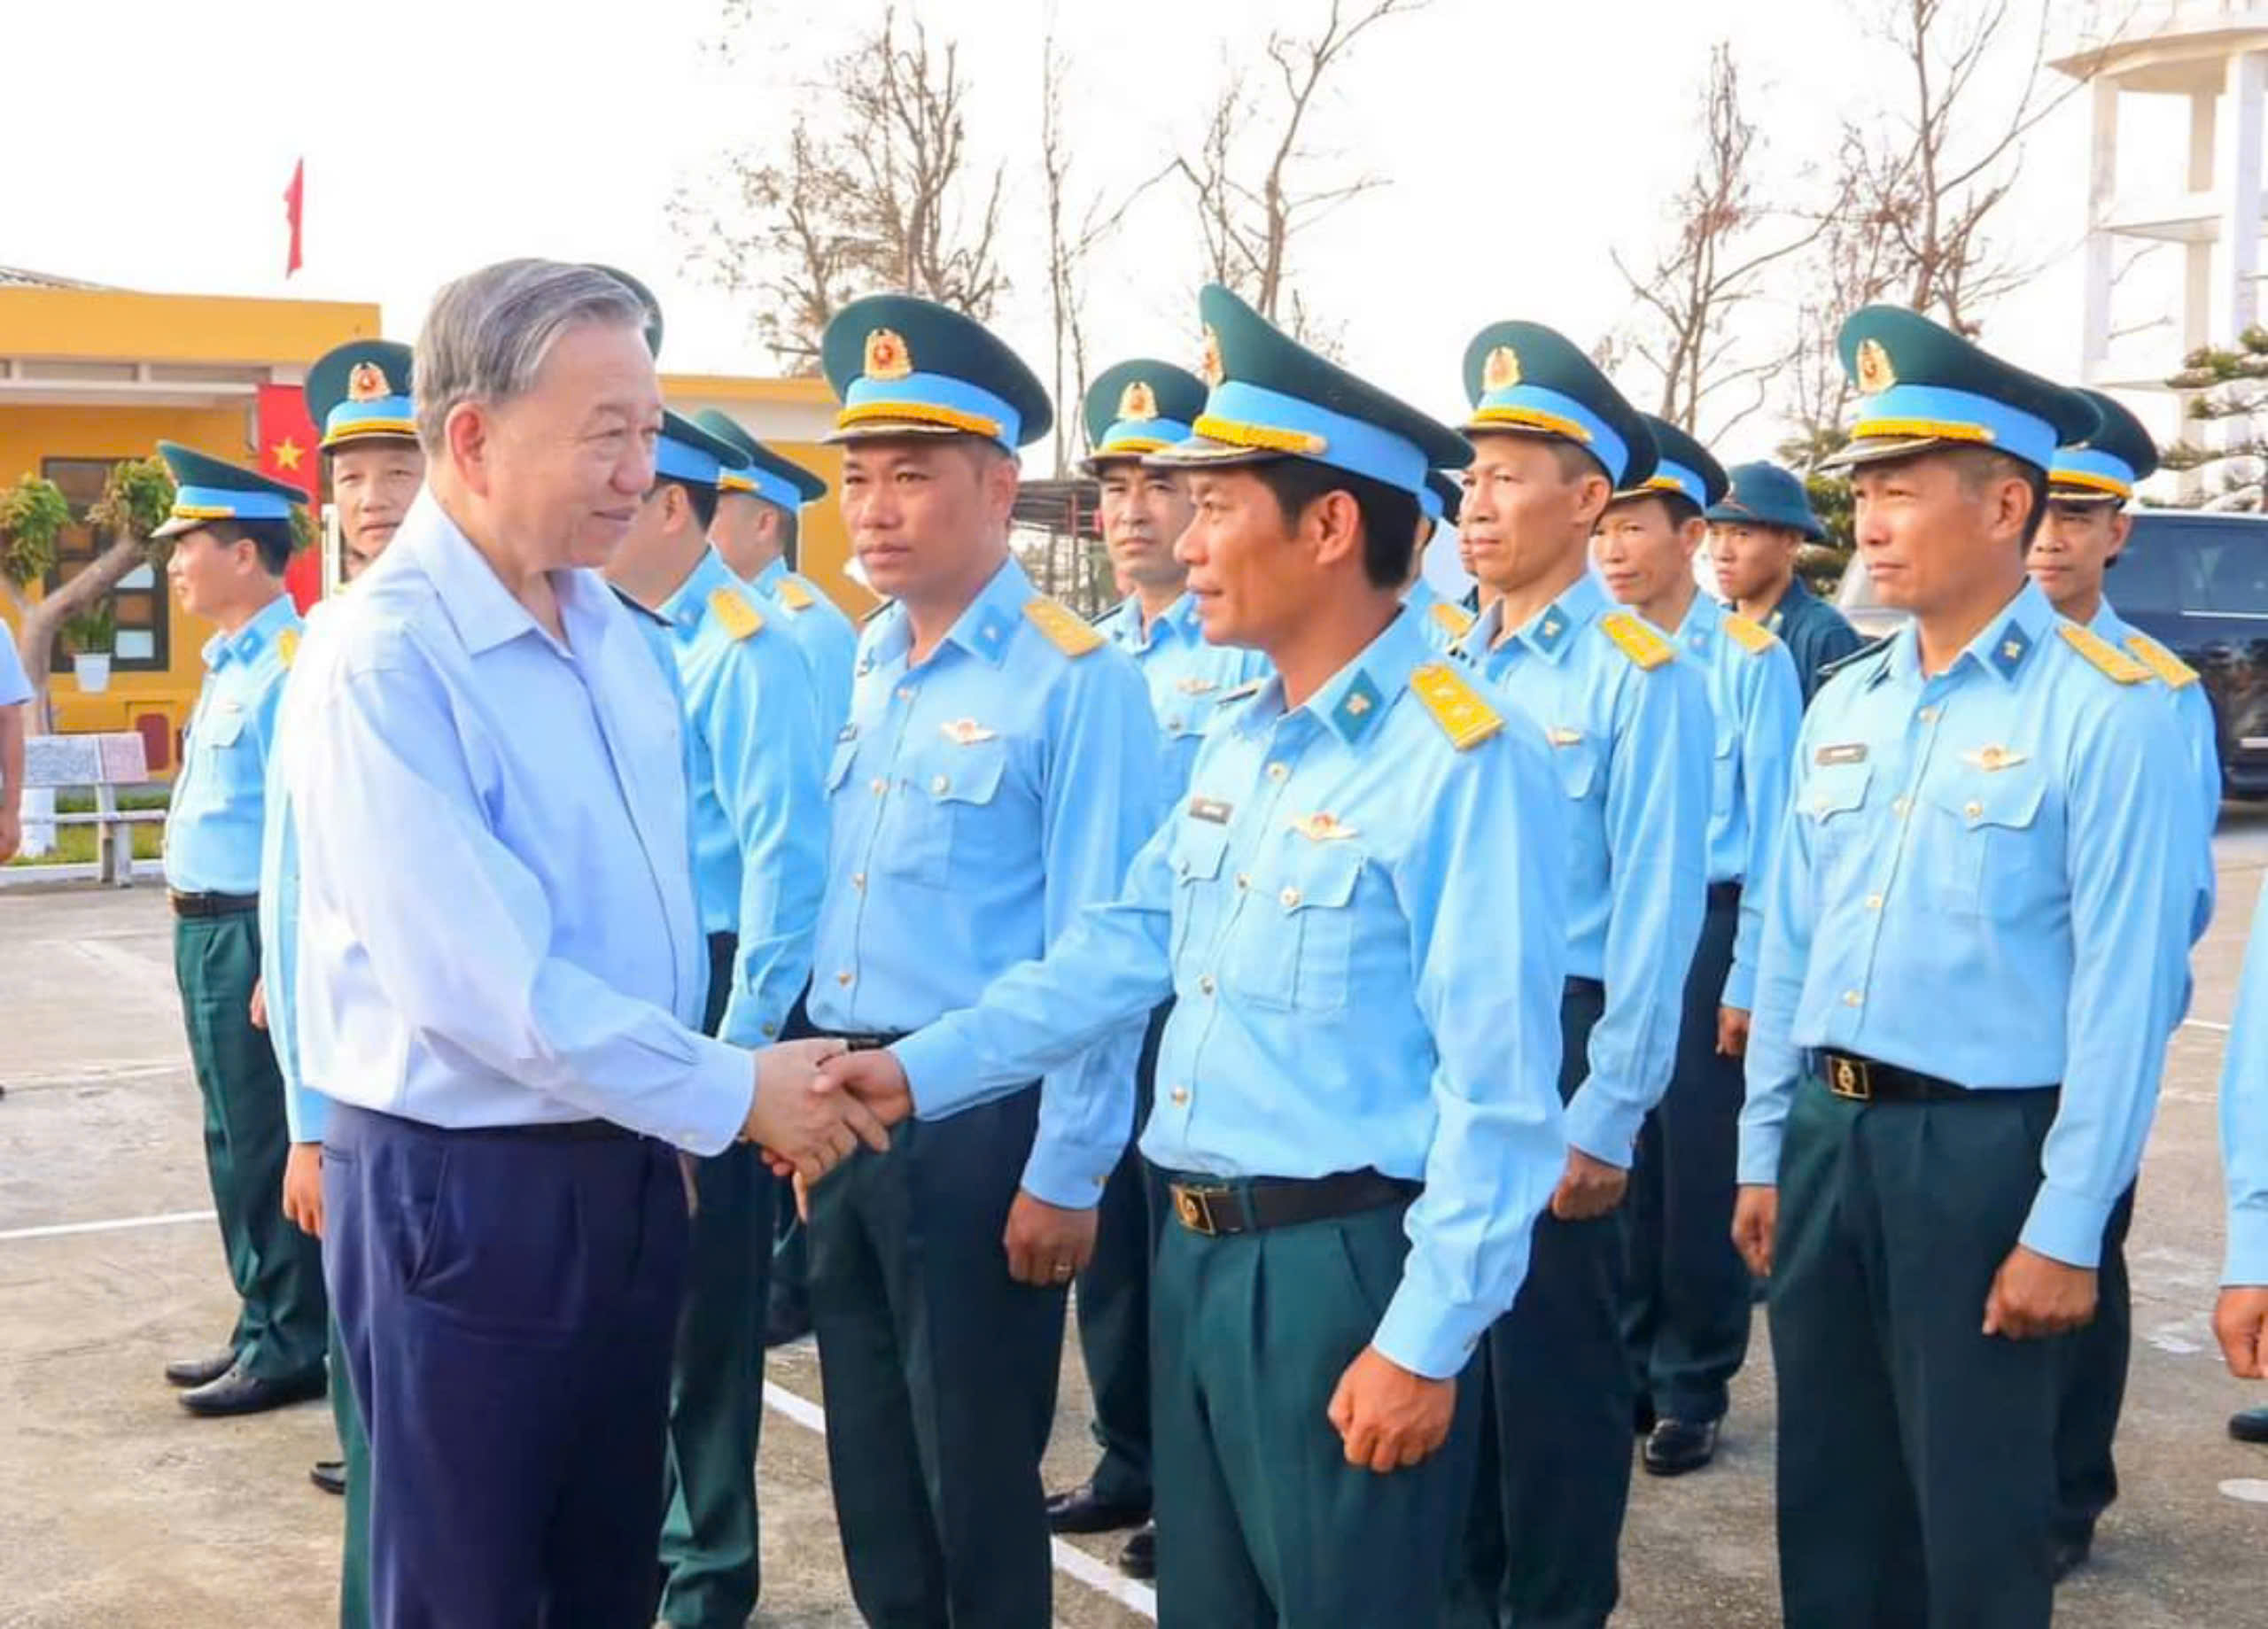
[2113, 459]
[206, 489]
[360, 392]
[1682, 465]
[767, 475]
[1524, 379]
[903, 366]
[1925, 386]
[1136, 407]
[1273, 397]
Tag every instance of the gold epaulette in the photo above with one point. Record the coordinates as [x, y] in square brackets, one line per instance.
[794, 595]
[1755, 636]
[1464, 717]
[1062, 627]
[1639, 642]
[2177, 673]
[287, 646]
[1454, 617]
[2100, 652]
[731, 607]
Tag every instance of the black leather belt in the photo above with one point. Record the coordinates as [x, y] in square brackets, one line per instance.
[871, 1041]
[1862, 1080]
[1255, 1204]
[212, 904]
[1724, 895]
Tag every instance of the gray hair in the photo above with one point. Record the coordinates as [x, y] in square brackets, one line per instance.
[489, 332]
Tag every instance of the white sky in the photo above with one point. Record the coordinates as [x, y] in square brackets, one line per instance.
[147, 144]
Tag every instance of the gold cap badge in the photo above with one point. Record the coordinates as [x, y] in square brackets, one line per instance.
[1876, 374]
[1137, 401]
[885, 355]
[1501, 370]
[367, 382]
[1210, 365]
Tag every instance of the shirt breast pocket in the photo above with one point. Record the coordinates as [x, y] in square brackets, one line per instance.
[1295, 945]
[947, 808]
[1581, 773]
[1832, 798]
[1724, 769]
[1198, 849]
[228, 751]
[838, 768]
[1989, 847]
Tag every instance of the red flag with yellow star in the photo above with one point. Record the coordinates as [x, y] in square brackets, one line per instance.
[288, 453]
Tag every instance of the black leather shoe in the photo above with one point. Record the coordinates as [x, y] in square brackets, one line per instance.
[1139, 1558]
[1083, 1510]
[329, 1475]
[2249, 1424]
[200, 1371]
[2071, 1555]
[1678, 1446]
[785, 1324]
[238, 1393]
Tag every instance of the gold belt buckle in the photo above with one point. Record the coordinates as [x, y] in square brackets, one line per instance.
[1194, 1206]
[1850, 1078]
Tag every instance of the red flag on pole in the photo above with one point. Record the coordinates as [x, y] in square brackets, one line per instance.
[294, 198]
[289, 453]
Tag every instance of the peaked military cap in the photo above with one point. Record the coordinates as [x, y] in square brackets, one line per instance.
[686, 452]
[1682, 466]
[360, 392]
[1441, 498]
[2106, 465]
[766, 474]
[1924, 386]
[1271, 397]
[645, 298]
[1524, 379]
[1139, 406]
[1764, 494]
[906, 367]
[206, 489]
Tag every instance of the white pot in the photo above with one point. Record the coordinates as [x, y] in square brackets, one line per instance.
[92, 670]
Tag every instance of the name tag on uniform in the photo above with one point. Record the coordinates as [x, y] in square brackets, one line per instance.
[1211, 810]
[1844, 752]
[1991, 758]
[1196, 687]
[1560, 736]
[967, 732]
[849, 731]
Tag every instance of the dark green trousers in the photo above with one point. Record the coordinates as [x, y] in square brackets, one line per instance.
[2094, 1391]
[1916, 1454]
[708, 1529]
[1686, 1302]
[940, 1374]
[354, 1449]
[1546, 1526]
[282, 1320]
[1113, 1305]
[1262, 1521]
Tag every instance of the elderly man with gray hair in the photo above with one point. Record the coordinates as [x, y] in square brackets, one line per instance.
[503, 980]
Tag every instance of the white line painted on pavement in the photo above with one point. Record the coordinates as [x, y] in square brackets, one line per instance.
[116, 1225]
[2252, 1490]
[1070, 1560]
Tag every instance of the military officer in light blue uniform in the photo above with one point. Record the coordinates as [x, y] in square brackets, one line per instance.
[232, 537]
[1358, 908]
[999, 768]
[2085, 529]
[2240, 1317]
[1975, 942]
[1627, 720]
[1445, 621]
[1686, 1311]
[756, 764]
[759, 514]
[1132, 409]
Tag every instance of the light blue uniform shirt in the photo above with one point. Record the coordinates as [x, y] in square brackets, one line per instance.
[15, 686]
[759, 806]
[1363, 926]
[981, 799]
[497, 918]
[2244, 1113]
[1444, 621]
[1756, 703]
[2195, 709]
[827, 638]
[1187, 677]
[305, 1111]
[213, 828]
[1631, 747]
[1986, 876]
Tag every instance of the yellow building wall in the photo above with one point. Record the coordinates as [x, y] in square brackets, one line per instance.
[31, 435]
[94, 325]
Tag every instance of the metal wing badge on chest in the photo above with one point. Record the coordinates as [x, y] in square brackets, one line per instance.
[1994, 758]
[1322, 826]
[967, 732]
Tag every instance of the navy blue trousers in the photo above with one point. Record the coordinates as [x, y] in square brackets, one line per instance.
[507, 1300]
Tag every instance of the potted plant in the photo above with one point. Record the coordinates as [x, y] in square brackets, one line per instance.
[88, 634]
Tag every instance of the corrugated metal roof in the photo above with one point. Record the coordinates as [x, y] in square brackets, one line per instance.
[16, 277]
